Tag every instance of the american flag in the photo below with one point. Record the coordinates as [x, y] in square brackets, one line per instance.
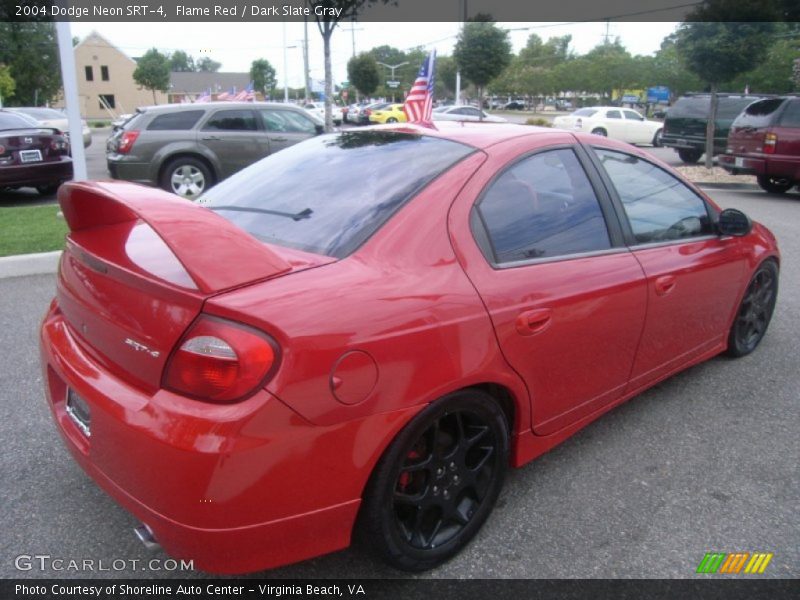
[229, 95]
[204, 97]
[419, 102]
[246, 95]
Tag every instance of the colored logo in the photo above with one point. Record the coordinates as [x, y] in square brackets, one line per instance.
[735, 562]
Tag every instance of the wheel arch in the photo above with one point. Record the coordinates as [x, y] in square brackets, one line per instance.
[166, 160]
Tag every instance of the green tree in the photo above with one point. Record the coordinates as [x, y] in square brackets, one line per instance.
[774, 74]
[362, 70]
[181, 62]
[30, 52]
[207, 65]
[7, 84]
[445, 76]
[326, 23]
[612, 69]
[263, 75]
[152, 72]
[482, 53]
[713, 46]
[670, 70]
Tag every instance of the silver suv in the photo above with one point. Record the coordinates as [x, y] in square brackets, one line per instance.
[187, 148]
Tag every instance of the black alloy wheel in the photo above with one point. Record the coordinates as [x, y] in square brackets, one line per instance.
[689, 155]
[600, 131]
[755, 311]
[774, 185]
[437, 482]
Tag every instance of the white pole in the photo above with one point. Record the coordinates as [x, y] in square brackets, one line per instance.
[285, 67]
[70, 82]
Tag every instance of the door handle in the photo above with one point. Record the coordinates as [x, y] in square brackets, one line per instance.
[534, 321]
[211, 137]
[664, 285]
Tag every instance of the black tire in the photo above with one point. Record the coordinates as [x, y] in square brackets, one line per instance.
[600, 131]
[657, 139]
[755, 311]
[48, 188]
[391, 120]
[775, 185]
[437, 482]
[186, 177]
[689, 155]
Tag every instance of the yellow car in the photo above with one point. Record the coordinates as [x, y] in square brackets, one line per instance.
[391, 114]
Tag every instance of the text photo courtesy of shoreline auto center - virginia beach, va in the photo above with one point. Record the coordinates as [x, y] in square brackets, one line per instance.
[386, 299]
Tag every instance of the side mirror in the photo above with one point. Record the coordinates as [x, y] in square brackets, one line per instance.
[734, 222]
[320, 128]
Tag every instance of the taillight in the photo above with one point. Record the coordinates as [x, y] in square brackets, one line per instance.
[220, 361]
[770, 141]
[127, 140]
[60, 145]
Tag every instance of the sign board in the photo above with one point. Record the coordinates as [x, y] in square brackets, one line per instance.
[393, 84]
[658, 95]
[344, 85]
[630, 99]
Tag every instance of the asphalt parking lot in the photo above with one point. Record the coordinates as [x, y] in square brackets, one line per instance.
[706, 461]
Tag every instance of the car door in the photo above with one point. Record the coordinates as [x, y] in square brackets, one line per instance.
[694, 276]
[234, 136]
[785, 161]
[614, 124]
[636, 130]
[285, 127]
[566, 297]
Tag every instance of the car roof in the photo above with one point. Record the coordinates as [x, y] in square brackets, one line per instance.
[216, 104]
[473, 133]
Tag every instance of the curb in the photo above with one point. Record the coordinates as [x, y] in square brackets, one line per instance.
[727, 186]
[29, 264]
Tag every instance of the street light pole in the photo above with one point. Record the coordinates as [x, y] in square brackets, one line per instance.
[285, 67]
[393, 67]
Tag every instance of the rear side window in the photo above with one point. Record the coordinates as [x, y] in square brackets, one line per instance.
[791, 114]
[231, 120]
[176, 121]
[759, 114]
[310, 197]
[690, 108]
[613, 114]
[659, 207]
[543, 206]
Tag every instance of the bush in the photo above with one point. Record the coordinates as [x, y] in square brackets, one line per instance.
[539, 122]
[98, 124]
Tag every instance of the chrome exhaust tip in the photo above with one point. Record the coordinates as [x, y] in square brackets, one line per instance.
[145, 535]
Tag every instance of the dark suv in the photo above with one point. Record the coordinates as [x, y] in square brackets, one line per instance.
[186, 148]
[687, 119]
[765, 141]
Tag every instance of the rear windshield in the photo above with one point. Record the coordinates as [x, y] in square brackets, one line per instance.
[759, 114]
[584, 112]
[329, 194]
[43, 113]
[10, 121]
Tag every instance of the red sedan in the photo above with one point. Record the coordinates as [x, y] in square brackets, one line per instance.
[313, 351]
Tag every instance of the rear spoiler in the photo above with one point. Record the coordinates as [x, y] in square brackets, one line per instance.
[215, 253]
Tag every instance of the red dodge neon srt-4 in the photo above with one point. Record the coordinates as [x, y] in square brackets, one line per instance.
[312, 352]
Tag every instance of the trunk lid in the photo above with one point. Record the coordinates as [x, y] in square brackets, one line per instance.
[139, 264]
[24, 146]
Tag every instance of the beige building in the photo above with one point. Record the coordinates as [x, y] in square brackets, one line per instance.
[105, 80]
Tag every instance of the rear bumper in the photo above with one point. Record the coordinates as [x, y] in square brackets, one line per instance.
[742, 165]
[120, 167]
[235, 488]
[41, 173]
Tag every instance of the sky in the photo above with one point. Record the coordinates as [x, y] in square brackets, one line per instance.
[236, 45]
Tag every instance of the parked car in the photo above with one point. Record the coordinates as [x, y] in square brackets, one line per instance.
[364, 114]
[187, 148]
[514, 105]
[392, 113]
[31, 155]
[50, 117]
[764, 141]
[461, 112]
[318, 110]
[309, 349]
[687, 119]
[622, 124]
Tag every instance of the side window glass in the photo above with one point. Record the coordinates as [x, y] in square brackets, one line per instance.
[659, 207]
[613, 114]
[632, 115]
[287, 121]
[231, 120]
[543, 206]
[791, 114]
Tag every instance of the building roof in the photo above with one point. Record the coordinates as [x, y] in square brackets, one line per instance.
[197, 82]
